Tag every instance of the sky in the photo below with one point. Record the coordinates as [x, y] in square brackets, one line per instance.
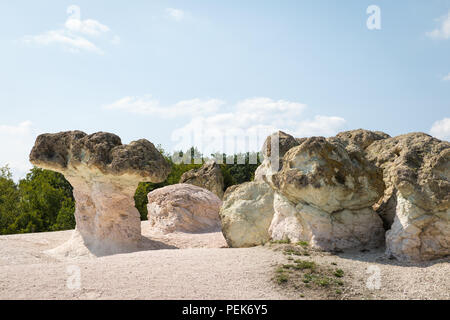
[220, 74]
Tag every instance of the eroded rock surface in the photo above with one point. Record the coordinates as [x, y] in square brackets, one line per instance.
[183, 208]
[104, 175]
[360, 140]
[281, 142]
[416, 171]
[360, 137]
[209, 177]
[326, 175]
[341, 230]
[325, 193]
[246, 214]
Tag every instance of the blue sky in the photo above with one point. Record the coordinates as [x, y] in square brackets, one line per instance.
[162, 69]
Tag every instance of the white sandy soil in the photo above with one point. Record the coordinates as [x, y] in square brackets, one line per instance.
[195, 266]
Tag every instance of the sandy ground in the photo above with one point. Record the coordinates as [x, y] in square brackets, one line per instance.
[186, 266]
[371, 275]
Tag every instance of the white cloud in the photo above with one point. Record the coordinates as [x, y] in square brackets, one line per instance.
[446, 78]
[320, 126]
[89, 26]
[69, 41]
[148, 106]
[441, 129]
[175, 14]
[74, 35]
[213, 125]
[248, 124]
[265, 110]
[16, 142]
[443, 31]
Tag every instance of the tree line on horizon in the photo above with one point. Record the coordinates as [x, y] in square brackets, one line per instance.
[43, 201]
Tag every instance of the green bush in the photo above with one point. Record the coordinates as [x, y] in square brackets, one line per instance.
[43, 201]
[9, 200]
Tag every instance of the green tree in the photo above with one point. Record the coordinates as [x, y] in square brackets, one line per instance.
[46, 203]
[243, 172]
[9, 199]
[237, 173]
[140, 197]
[65, 220]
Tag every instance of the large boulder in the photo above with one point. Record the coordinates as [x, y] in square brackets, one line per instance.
[209, 176]
[274, 148]
[324, 174]
[326, 190]
[360, 137]
[280, 142]
[416, 171]
[104, 175]
[340, 230]
[246, 214]
[183, 208]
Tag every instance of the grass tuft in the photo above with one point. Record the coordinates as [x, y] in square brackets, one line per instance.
[303, 243]
[282, 278]
[283, 241]
[302, 265]
[339, 273]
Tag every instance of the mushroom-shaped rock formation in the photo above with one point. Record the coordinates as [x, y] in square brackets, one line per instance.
[183, 208]
[416, 171]
[325, 196]
[246, 214]
[209, 176]
[104, 174]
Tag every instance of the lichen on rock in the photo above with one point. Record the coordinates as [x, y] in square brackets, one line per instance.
[324, 174]
[416, 171]
[360, 137]
[104, 174]
[325, 190]
[209, 176]
[274, 148]
[246, 214]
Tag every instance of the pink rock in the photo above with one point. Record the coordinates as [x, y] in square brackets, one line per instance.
[184, 208]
